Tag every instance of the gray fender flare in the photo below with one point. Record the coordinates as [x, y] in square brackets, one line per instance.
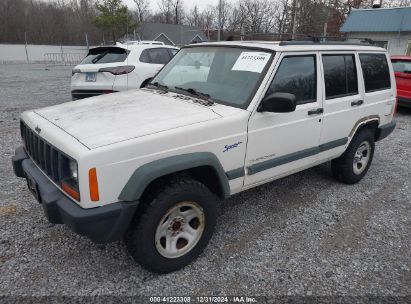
[147, 173]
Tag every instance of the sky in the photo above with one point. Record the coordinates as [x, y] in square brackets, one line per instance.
[188, 4]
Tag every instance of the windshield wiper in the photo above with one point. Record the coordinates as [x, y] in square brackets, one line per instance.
[196, 93]
[98, 57]
[157, 85]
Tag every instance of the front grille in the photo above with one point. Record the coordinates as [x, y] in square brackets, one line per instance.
[48, 158]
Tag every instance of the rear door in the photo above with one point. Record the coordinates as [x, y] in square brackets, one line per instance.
[343, 101]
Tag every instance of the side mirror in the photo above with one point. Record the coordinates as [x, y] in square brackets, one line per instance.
[278, 103]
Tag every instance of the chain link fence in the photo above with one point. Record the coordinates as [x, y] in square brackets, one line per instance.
[47, 54]
[51, 59]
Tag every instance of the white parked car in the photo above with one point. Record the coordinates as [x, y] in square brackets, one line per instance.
[220, 118]
[108, 69]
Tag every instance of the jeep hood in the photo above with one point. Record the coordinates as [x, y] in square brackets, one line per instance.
[107, 119]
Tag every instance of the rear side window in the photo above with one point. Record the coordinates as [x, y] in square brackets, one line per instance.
[296, 75]
[155, 56]
[144, 57]
[375, 71]
[340, 75]
[173, 51]
[159, 56]
[105, 55]
[402, 66]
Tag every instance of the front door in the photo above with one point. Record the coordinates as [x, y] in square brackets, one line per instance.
[281, 143]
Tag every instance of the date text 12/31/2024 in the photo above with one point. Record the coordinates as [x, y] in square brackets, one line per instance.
[204, 299]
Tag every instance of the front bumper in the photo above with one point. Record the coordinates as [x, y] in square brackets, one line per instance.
[101, 224]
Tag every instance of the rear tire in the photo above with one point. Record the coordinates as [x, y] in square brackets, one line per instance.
[175, 226]
[351, 167]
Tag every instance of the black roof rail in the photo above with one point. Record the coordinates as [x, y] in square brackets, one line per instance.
[294, 42]
[327, 40]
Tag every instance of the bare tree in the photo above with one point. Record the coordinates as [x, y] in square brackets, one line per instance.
[194, 18]
[165, 13]
[178, 9]
[142, 9]
[208, 19]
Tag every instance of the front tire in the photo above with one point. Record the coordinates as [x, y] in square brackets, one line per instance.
[175, 226]
[351, 167]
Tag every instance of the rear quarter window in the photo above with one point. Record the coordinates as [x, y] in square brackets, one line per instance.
[375, 72]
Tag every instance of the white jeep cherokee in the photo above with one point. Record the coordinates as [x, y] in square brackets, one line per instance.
[219, 118]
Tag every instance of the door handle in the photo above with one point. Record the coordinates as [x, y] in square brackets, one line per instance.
[357, 103]
[316, 111]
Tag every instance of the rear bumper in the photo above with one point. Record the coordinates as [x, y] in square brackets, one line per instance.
[101, 224]
[404, 102]
[385, 130]
[80, 94]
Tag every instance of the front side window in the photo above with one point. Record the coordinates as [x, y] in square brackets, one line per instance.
[228, 75]
[296, 75]
[340, 76]
[375, 71]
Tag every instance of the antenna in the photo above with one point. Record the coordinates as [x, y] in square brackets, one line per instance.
[128, 52]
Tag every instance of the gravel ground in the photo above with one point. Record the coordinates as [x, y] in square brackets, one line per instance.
[302, 235]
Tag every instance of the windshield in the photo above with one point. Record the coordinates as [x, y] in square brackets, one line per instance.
[224, 75]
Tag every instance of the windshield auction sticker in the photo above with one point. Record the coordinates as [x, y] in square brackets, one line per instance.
[251, 62]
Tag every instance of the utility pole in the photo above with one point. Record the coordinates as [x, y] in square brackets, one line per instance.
[62, 53]
[25, 43]
[219, 20]
[325, 31]
[88, 47]
[294, 19]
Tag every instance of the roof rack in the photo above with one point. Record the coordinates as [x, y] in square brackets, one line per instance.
[325, 40]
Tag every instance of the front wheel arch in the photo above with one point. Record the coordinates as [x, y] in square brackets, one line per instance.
[190, 163]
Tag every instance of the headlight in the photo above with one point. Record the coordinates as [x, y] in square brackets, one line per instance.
[73, 169]
[69, 180]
